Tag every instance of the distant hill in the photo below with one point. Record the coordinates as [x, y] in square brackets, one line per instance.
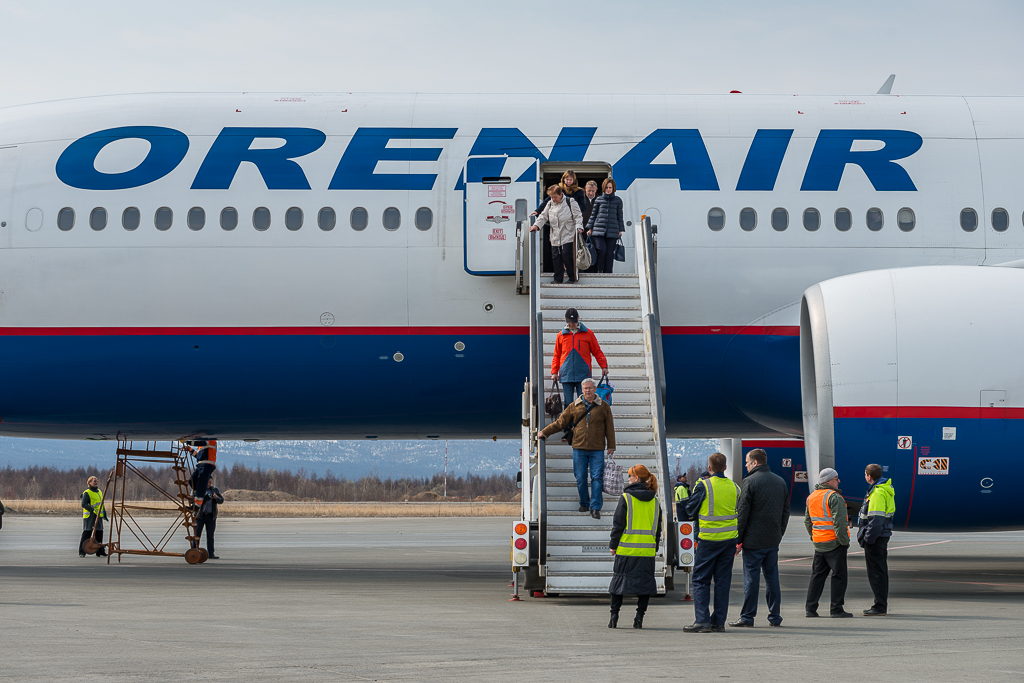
[351, 459]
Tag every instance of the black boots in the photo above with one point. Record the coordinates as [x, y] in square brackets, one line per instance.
[614, 622]
[638, 621]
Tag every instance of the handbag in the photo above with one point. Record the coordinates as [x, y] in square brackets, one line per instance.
[583, 254]
[614, 481]
[604, 390]
[620, 250]
[553, 403]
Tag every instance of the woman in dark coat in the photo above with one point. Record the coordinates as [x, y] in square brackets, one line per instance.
[605, 225]
[634, 574]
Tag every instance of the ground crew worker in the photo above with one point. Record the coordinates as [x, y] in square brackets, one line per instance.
[207, 518]
[682, 493]
[636, 533]
[93, 514]
[206, 464]
[713, 502]
[873, 535]
[829, 528]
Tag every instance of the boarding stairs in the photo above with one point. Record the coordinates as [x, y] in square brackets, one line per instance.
[621, 310]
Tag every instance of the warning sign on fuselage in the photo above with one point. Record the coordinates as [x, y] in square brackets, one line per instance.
[933, 465]
[904, 443]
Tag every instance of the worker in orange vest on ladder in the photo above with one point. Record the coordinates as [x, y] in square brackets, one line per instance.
[829, 527]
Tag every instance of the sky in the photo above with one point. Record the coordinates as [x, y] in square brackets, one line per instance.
[57, 49]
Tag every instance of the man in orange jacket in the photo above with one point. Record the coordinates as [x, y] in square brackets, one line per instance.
[571, 362]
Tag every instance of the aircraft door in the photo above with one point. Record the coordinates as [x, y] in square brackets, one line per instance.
[492, 186]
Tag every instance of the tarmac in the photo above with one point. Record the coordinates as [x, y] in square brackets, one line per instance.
[427, 600]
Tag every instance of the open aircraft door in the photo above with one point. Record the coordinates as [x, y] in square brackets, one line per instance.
[493, 184]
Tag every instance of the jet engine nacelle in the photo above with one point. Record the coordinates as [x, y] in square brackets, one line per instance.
[919, 370]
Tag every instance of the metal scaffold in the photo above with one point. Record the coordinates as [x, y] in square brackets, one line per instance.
[127, 535]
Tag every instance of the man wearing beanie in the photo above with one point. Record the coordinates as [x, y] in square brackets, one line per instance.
[829, 528]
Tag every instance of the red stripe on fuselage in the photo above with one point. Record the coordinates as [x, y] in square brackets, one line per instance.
[253, 331]
[792, 443]
[941, 412]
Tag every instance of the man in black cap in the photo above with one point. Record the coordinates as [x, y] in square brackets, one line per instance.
[571, 362]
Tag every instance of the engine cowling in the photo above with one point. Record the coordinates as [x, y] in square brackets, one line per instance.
[919, 370]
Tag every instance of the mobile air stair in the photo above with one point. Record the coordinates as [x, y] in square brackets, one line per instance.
[560, 550]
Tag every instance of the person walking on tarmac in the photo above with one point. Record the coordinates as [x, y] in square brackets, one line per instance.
[713, 502]
[762, 517]
[93, 514]
[207, 518]
[682, 493]
[571, 360]
[873, 535]
[636, 533]
[829, 528]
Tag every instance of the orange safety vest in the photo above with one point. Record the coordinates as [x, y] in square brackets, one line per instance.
[822, 527]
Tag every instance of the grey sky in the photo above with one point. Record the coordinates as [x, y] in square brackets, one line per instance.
[56, 49]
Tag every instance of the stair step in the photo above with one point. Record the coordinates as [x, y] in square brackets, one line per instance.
[602, 285]
[594, 308]
[592, 297]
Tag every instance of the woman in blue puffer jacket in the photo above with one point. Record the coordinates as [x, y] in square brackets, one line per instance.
[606, 225]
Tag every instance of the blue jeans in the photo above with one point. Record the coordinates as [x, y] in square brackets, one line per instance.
[569, 392]
[754, 562]
[594, 460]
[713, 561]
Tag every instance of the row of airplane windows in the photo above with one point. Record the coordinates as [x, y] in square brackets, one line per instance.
[874, 218]
[195, 219]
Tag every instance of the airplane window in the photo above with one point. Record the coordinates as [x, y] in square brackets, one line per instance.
[748, 219]
[326, 219]
[424, 218]
[66, 219]
[98, 218]
[969, 220]
[359, 218]
[780, 220]
[293, 218]
[261, 218]
[131, 218]
[196, 218]
[164, 218]
[716, 219]
[905, 219]
[392, 218]
[874, 219]
[1000, 220]
[844, 220]
[812, 220]
[229, 218]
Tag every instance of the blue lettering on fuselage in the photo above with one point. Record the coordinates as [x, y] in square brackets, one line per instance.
[833, 150]
[77, 164]
[369, 145]
[691, 166]
[764, 160]
[276, 165]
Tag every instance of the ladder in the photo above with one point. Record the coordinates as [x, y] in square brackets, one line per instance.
[621, 309]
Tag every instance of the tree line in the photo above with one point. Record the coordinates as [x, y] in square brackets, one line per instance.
[39, 482]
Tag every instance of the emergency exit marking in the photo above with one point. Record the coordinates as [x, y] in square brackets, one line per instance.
[933, 465]
[786, 462]
[949, 433]
[904, 443]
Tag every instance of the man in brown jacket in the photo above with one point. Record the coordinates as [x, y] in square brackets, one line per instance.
[594, 428]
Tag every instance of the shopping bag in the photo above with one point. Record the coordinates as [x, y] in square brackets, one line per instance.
[605, 390]
[620, 250]
[613, 478]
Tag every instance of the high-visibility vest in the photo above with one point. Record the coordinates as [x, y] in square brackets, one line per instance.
[681, 492]
[881, 501]
[718, 509]
[641, 527]
[823, 528]
[96, 500]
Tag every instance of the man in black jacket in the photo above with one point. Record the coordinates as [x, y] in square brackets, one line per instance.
[762, 515]
[207, 518]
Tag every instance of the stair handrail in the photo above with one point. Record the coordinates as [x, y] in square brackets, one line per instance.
[537, 412]
[647, 275]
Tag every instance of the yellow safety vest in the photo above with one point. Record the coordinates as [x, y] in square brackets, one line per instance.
[641, 528]
[681, 493]
[95, 499]
[718, 509]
